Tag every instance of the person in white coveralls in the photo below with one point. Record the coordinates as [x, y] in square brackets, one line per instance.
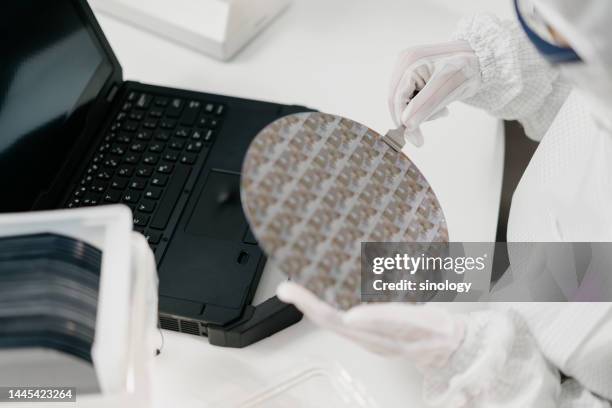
[551, 69]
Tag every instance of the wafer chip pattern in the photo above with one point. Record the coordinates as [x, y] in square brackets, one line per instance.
[314, 186]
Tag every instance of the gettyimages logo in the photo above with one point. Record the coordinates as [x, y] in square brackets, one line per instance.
[413, 264]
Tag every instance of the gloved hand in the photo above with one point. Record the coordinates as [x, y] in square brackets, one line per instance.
[426, 79]
[426, 334]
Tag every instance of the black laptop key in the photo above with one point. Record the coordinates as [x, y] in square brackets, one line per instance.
[156, 113]
[80, 191]
[170, 156]
[150, 158]
[194, 146]
[138, 184]
[182, 132]
[146, 206]
[167, 123]
[159, 180]
[188, 158]
[74, 203]
[176, 145]
[104, 147]
[132, 158]
[92, 169]
[87, 180]
[171, 196]
[144, 171]
[162, 135]
[141, 220]
[136, 115]
[125, 171]
[98, 158]
[104, 175]
[91, 199]
[196, 135]
[131, 196]
[174, 108]
[143, 101]
[156, 147]
[143, 135]
[165, 168]
[153, 193]
[191, 113]
[161, 101]
[150, 123]
[130, 126]
[138, 147]
[123, 137]
[98, 187]
[111, 162]
[119, 184]
[112, 196]
[208, 136]
[117, 150]
[152, 237]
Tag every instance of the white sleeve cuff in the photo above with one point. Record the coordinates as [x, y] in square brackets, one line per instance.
[517, 83]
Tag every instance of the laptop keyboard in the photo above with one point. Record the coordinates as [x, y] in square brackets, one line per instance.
[146, 157]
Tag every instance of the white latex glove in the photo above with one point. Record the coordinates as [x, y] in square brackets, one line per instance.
[426, 334]
[426, 79]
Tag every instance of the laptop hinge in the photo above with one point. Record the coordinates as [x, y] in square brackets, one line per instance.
[111, 93]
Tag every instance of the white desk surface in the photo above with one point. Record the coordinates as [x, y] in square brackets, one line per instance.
[335, 56]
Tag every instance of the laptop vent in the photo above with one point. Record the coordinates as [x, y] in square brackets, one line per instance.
[181, 325]
[190, 327]
[168, 323]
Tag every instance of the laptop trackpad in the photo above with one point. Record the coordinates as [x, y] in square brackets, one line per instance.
[218, 212]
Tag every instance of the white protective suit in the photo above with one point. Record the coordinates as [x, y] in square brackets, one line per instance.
[515, 356]
[565, 194]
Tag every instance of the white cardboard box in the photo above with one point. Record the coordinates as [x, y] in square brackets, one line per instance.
[219, 28]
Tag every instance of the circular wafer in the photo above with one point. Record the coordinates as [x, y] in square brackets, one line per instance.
[315, 186]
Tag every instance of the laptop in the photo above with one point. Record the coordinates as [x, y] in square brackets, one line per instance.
[73, 134]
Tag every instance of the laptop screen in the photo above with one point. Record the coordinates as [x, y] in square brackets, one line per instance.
[50, 58]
